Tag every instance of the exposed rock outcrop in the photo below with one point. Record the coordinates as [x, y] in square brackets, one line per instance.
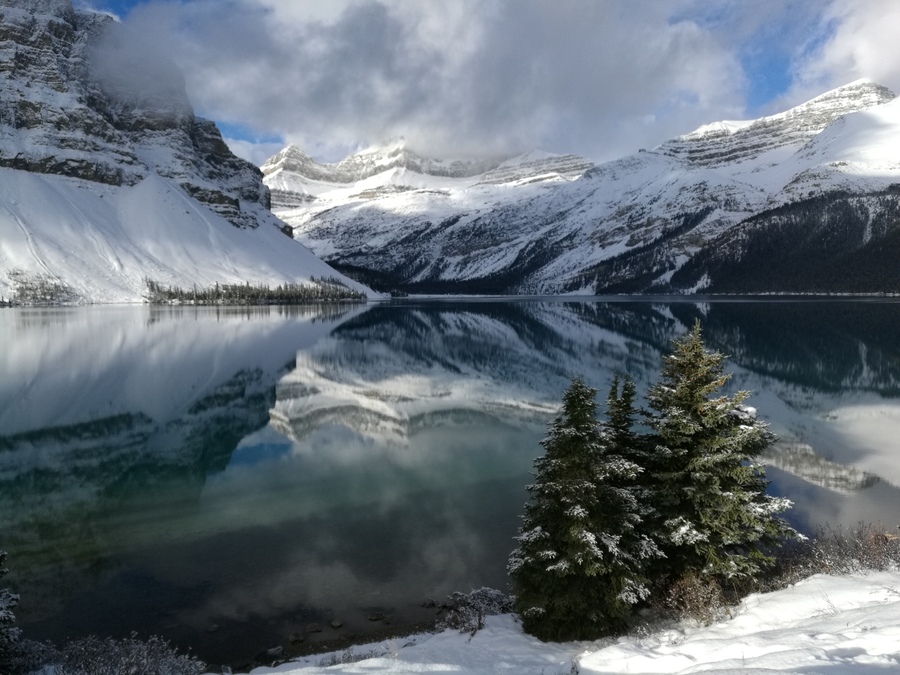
[82, 97]
[111, 185]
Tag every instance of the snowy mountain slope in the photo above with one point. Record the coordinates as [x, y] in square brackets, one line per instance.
[624, 226]
[840, 233]
[108, 178]
[103, 242]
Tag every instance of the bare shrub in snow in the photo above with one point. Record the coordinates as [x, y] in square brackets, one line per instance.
[465, 612]
[131, 656]
[28, 656]
[9, 634]
[835, 550]
[695, 597]
[348, 656]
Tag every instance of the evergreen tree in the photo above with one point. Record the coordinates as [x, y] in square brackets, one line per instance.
[622, 521]
[577, 572]
[620, 420]
[714, 516]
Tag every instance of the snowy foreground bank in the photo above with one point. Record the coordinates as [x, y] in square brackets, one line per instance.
[824, 624]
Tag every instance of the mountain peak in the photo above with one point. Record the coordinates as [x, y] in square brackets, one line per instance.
[394, 154]
[730, 141]
[867, 91]
[288, 155]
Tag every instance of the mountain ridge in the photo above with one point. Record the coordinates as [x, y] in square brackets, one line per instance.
[625, 226]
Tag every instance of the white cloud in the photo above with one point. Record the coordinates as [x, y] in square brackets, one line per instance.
[464, 77]
[257, 153]
[600, 78]
[863, 42]
[306, 11]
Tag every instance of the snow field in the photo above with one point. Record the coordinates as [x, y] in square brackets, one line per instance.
[824, 624]
[105, 241]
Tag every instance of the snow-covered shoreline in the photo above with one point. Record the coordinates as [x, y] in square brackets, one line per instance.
[823, 624]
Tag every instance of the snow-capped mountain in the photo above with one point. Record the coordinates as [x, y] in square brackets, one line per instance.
[292, 161]
[296, 179]
[108, 179]
[680, 218]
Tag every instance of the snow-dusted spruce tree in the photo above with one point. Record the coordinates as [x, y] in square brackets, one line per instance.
[715, 519]
[577, 572]
[8, 601]
[624, 518]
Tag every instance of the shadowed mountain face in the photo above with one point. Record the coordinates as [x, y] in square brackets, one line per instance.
[798, 201]
[226, 478]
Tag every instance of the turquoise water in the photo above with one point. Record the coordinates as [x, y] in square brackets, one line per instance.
[225, 478]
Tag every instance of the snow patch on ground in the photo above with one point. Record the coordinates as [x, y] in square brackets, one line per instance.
[824, 624]
[104, 242]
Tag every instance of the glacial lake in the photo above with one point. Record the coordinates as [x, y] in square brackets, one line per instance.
[226, 477]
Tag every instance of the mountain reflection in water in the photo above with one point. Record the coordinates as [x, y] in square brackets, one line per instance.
[225, 478]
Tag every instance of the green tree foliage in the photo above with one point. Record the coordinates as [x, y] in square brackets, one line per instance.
[615, 513]
[714, 516]
[558, 553]
[621, 521]
[318, 290]
[577, 571]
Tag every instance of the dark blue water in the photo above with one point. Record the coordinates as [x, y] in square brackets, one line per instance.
[225, 478]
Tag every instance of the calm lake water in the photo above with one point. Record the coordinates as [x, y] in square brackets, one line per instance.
[226, 477]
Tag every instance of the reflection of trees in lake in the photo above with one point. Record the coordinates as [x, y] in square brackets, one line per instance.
[113, 420]
[473, 356]
[827, 346]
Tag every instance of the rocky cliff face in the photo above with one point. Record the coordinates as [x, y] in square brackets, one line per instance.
[109, 180]
[634, 225]
[71, 104]
[727, 142]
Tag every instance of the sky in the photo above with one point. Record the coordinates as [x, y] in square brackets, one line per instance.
[478, 78]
